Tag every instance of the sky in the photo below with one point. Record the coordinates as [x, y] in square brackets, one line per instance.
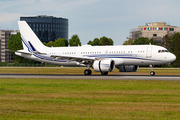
[91, 19]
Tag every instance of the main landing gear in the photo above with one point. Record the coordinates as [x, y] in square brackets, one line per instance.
[87, 71]
[152, 73]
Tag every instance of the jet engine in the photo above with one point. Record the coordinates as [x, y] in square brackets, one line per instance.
[128, 68]
[104, 65]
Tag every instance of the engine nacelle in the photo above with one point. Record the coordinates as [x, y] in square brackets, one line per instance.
[128, 68]
[104, 65]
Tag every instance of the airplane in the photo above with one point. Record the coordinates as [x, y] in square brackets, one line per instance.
[104, 59]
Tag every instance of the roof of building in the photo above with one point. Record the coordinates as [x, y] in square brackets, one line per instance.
[157, 24]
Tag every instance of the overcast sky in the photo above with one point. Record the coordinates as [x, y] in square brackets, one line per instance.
[91, 19]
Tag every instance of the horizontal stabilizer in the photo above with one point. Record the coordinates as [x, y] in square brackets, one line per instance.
[19, 51]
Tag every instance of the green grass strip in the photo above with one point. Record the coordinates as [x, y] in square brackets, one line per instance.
[89, 99]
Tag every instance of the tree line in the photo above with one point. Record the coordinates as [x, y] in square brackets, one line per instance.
[75, 41]
[102, 41]
[141, 41]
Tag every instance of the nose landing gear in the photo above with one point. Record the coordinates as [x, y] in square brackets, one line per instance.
[152, 73]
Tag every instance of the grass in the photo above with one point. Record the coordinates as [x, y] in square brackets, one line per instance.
[89, 99]
[68, 70]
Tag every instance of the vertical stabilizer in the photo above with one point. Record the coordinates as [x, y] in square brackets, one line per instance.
[24, 46]
[29, 38]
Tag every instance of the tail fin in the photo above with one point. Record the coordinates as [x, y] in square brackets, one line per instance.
[29, 39]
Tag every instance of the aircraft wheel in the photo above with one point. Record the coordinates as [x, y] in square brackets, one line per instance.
[104, 73]
[152, 73]
[87, 72]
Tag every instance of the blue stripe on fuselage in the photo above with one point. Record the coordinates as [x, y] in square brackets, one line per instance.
[31, 49]
[125, 56]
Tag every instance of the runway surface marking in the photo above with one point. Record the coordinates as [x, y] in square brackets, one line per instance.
[109, 77]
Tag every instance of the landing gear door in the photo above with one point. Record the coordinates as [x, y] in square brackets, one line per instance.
[149, 52]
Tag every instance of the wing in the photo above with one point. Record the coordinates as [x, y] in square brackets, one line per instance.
[75, 58]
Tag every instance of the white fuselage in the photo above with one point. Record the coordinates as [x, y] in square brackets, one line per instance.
[122, 55]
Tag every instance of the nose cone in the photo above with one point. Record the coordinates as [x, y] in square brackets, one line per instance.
[172, 58]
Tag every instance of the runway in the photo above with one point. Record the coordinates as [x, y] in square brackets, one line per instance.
[93, 77]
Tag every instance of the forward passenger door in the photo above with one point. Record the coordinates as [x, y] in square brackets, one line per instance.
[149, 52]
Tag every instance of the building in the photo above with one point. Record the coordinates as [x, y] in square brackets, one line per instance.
[154, 30]
[48, 28]
[5, 56]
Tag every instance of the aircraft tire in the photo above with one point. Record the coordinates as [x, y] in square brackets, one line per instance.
[87, 72]
[152, 73]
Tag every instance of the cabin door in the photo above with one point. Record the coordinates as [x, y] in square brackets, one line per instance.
[149, 52]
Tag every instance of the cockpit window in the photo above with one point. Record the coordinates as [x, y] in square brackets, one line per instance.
[162, 51]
